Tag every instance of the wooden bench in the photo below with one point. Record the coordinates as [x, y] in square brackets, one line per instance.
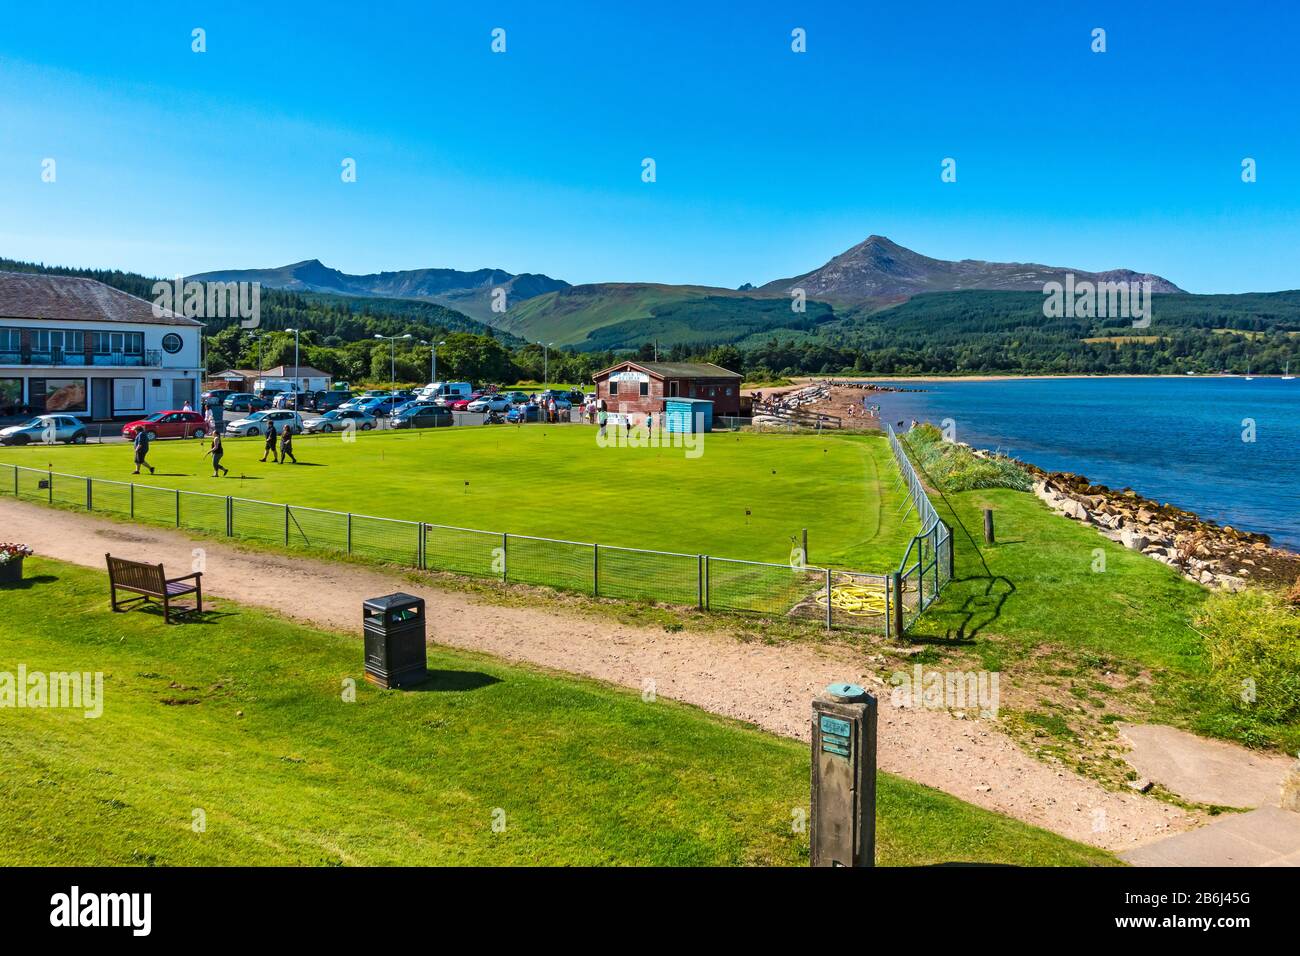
[149, 581]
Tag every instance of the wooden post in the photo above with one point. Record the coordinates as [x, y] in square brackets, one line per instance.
[988, 525]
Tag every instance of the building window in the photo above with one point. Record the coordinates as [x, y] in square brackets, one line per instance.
[613, 387]
[645, 388]
[11, 340]
[172, 343]
[727, 391]
[11, 395]
[57, 394]
[106, 343]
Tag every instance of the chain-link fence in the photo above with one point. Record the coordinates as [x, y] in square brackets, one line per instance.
[837, 598]
[927, 565]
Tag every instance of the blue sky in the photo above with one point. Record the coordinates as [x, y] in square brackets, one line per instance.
[769, 162]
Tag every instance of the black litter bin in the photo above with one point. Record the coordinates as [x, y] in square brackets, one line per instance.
[394, 631]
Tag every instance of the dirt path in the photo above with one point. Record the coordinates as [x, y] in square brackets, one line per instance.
[768, 685]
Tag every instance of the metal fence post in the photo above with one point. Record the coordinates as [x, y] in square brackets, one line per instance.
[90, 495]
[132, 486]
[595, 570]
[15, 481]
[178, 507]
[889, 607]
[707, 584]
[505, 544]
[699, 584]
[349, 532]
[230, 516]
[828, 599]
[49, 485]
[419, 548]
[897, 584]
[286, 526]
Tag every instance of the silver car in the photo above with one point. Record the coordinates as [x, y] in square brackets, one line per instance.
[45, 430]
[259, 422]
[340, 419]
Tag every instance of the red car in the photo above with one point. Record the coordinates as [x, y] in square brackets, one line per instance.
[460, 404]
[169, 425]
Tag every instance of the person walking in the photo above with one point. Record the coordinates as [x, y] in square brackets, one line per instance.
[187, 407]
[216, 451]
[141, 447]
[286, 445]
[270, 444]
[602, 417]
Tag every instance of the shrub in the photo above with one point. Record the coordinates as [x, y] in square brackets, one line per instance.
[1252, 640]
[953, 467]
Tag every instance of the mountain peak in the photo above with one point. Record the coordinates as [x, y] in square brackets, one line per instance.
[878, 267]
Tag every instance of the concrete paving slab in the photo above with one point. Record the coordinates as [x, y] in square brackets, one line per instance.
[1205, 771]
[1268, 836]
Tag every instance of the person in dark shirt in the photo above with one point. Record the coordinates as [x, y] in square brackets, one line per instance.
[270, 444]
[286, 445]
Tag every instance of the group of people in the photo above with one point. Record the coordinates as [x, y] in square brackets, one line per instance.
[278, 448]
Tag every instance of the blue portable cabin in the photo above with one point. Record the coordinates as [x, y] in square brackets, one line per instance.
[688, 415]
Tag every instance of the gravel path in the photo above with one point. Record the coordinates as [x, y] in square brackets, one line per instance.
[768, 685]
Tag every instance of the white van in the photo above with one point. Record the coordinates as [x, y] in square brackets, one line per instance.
[444, 392]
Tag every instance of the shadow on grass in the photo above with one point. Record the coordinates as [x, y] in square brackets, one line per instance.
[27, 584]
[961, 623]
[445, 681]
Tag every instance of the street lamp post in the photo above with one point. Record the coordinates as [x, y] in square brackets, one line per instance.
[433, 358]
[297, 369]
[392, 363]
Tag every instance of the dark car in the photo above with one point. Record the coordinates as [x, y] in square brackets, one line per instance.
[244, 402]
[522, 413]
[328, 401]
[217, 397]
[424, 416]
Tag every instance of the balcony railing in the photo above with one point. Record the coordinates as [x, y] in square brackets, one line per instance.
[151, 358]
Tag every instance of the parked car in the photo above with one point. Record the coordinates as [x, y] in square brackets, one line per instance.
[168, 425]
[258, 423]
[244, 402]
[460, 404]
[328, 401]
[412, 404]
[336, 420]
[424, 416]
[489, 403]
[517, 397]
[522, 413]
[45, 429]
[216, 398]
[381, 407]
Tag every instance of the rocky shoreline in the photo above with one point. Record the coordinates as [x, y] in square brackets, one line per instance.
[1218, 556]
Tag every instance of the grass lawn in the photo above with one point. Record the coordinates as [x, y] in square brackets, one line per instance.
[242, 716]
[746, 496]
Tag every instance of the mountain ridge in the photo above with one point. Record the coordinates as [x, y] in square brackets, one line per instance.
[470, 292]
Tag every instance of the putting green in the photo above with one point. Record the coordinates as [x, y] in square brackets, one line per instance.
[738, 495]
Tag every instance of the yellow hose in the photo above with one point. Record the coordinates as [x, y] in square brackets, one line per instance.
[855, 600]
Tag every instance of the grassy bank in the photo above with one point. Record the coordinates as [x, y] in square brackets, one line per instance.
[1087, 633]
[243, 717]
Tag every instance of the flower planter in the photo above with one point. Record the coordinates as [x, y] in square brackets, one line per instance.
[11, 572]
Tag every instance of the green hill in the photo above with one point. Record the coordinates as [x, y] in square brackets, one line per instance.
[625, 315]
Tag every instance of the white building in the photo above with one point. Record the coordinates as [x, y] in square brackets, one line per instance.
[78, 346]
